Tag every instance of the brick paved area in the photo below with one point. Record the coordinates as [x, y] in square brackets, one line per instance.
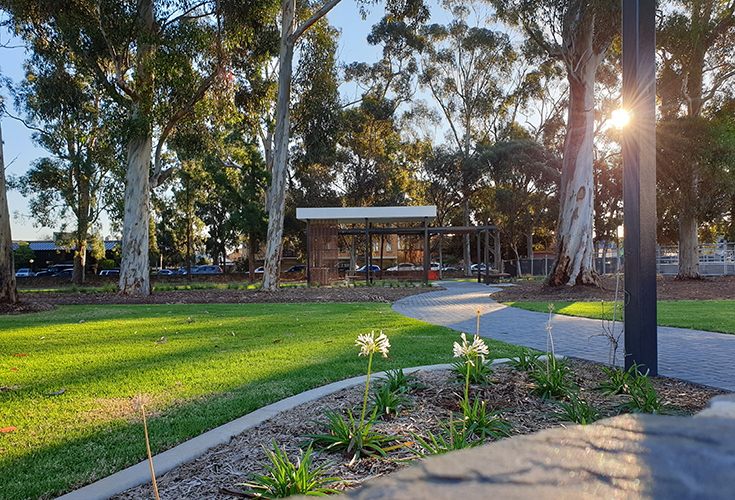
[703, 357]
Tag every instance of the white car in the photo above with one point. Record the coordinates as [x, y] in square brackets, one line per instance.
[24, 273]
[405, 266]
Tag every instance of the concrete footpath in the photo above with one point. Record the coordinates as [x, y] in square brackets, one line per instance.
[705, 358]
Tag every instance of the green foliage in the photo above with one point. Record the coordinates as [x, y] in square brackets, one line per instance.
[349, 437]
[483, 424]
[577, 410]
[451, 437]
[618, 380]
[552, 379]
[397, 380]
[479, 373]
[285, 478]
[642, 398]
[23, 255]
[384, 401]
[105, 264]
[526, 361]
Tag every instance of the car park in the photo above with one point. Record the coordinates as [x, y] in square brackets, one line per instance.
[24, 272]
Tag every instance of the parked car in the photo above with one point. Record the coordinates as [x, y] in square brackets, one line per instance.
[373, 268]
[343, 267]
[449, 268]
[299, 268]
[64, 273]
[404, 266]
[55, 270]
[206, 270]
[259, 270]
[110, 272]
[162, 272]
[474, 267]
[24, 272]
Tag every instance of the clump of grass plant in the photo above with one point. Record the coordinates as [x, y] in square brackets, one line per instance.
[482, 423]
[618, 380]
[451, 437]
[552, 379]
[285, 478]
[354, 438]
[397, 380]
[577, 410]
[526, 361]
[385, 402]
[642, 398]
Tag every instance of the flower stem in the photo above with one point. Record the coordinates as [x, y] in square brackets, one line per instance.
[367, 384]
[467, 384]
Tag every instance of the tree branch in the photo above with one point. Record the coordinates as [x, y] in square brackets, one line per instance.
[313, 19]
[156, 179]
[118, 70]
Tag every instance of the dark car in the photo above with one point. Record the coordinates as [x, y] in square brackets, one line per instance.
[206, 270]
[343, 267]
[64, 273]
[300, 268]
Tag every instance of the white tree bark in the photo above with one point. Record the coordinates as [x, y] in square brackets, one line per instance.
[134, 275]
[574, 262]
[8, 289]
[276, 194]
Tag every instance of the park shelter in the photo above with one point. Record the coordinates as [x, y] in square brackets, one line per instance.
[323, 227]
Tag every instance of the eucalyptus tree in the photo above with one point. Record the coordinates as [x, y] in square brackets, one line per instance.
[697, 69]
[522, 176]
[157, 59]
[74, 121]
[464, 69]
[578, 33]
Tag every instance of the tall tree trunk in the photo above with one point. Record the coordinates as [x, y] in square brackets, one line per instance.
[574, 246]
[134, 275]
[276, 194]
[466, 246]
[8, 289]
[80, 254]
[688, 242]
[251, 258]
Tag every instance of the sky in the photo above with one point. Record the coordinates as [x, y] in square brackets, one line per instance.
[20, 152]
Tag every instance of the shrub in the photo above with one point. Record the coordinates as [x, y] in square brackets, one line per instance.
[285, 478]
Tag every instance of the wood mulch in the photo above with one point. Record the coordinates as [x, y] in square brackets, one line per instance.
[219, 474]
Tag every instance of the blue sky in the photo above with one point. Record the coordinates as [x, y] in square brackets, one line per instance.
[20, 151]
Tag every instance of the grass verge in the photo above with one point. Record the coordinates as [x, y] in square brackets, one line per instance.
[70, 379]
[709, 315]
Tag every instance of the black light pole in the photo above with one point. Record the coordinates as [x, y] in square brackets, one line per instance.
[639, 184]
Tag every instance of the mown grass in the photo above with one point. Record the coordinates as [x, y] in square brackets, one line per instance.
[218, 362]
[708, 315]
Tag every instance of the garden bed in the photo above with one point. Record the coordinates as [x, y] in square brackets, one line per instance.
[218, 474]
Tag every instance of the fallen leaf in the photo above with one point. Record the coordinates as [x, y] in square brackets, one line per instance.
[179, 384]
[288, 335]
[161, 341]
[5, 430]
[57, 393]
[20, 355]
[276, 341]
[13, 369]
[82, 321]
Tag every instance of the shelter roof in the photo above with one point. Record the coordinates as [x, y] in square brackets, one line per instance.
[356, 215]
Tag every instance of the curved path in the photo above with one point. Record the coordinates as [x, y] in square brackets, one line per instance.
[706, 358]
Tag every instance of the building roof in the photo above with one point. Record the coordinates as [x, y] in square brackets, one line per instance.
[47, 246]
[357, 215]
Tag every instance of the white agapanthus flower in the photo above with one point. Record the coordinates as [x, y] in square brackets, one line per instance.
[368, 344]
[471, 351]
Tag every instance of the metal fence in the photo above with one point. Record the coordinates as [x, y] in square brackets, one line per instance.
[715, 259]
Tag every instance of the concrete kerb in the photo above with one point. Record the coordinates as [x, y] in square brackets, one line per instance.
[190, 450]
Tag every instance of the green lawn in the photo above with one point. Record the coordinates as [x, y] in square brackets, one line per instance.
[218, 362]
[709, 315]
